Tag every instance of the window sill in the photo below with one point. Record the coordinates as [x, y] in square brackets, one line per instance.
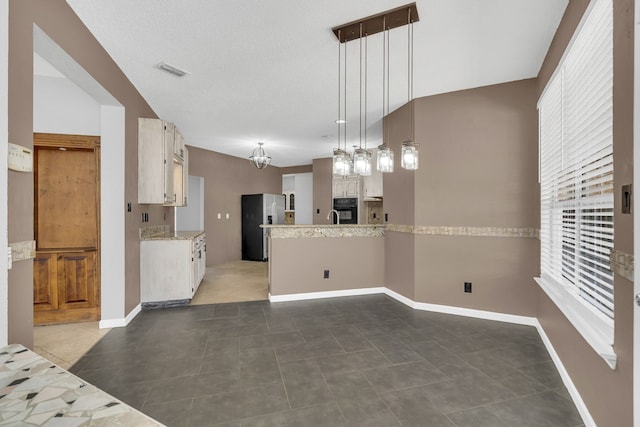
[594, 327]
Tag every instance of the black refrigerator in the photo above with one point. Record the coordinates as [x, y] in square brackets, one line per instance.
[259, 209]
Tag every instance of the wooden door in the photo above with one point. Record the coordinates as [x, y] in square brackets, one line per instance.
[67, 223]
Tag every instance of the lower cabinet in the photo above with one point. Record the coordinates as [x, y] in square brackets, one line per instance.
[171, 269]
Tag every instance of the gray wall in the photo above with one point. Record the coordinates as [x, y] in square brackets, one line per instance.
[297, 265]
[477, 169]
[322, 189]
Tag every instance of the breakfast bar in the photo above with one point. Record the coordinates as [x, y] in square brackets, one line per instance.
[310, 261]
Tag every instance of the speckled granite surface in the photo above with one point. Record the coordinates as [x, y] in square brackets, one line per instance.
[307, 231]
[35, 392]
[161, 232]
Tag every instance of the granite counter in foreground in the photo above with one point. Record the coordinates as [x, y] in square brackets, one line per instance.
[324, 260]
[306, 231]
[36, 392]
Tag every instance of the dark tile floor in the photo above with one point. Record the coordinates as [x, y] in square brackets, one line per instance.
[355, 361]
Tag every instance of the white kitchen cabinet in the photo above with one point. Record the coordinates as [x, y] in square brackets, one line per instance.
[161, 173]
[348, 186]
[171, 269]
[372, 184]
[178, 146]
[181, 179]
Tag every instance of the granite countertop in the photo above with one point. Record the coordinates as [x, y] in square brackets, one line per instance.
[171, 235]
[161, 232]
[282, 231]
[36, 392]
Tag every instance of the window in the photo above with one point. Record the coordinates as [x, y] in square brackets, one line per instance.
[576, 181]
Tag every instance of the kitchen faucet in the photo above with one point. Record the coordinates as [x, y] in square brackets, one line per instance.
[337, 216]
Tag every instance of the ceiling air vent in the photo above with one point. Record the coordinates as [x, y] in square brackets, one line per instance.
[172, 69]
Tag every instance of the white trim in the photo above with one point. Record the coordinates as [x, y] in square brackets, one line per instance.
[460, 311]
[325, 294]
[119, 323]
[593, 332]
[566, 379]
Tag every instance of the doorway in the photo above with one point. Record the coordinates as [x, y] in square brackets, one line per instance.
[66, 269]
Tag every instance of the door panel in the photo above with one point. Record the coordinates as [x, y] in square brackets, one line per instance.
[76, 280]
[45, 295]
[66, 198]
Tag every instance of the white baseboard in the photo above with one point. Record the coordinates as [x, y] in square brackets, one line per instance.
[119, 323]
[566, 379]
[459, 311]
[325, 294]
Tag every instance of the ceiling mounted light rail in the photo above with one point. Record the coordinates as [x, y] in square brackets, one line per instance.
[374, 24]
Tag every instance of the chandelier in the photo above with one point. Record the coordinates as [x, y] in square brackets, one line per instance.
[259, 158]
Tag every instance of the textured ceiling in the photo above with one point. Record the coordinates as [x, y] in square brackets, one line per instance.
[267, 70]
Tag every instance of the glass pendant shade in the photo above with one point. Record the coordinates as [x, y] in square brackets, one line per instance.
[409, 159]
[384, 161]
[259, 158]
[362, 162]
[341, 162]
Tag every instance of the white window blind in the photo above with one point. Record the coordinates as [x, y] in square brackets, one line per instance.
[576, 180]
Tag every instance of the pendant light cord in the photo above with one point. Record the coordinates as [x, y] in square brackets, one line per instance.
[410, 72]
[339, 88]
[387, 66]
[366, 49]
[345, 96]
[360, 72]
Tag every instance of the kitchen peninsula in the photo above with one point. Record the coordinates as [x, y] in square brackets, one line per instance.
[310, 261]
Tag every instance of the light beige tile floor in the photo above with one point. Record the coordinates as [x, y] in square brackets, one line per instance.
[232, 282]
[65, 344]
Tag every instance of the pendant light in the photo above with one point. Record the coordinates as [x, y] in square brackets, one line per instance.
[362, 156]
[341, 160]
[384, 162]
[409, 154]
[361, 160]
[259, 158]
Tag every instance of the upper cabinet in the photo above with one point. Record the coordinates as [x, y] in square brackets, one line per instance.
[348, 186]
[162, 163]
[179, 148]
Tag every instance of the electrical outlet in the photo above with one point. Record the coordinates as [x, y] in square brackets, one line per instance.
[467, 287]
[129, 207]
[326, 274]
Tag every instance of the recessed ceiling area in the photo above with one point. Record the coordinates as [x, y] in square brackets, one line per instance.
[268, 71]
